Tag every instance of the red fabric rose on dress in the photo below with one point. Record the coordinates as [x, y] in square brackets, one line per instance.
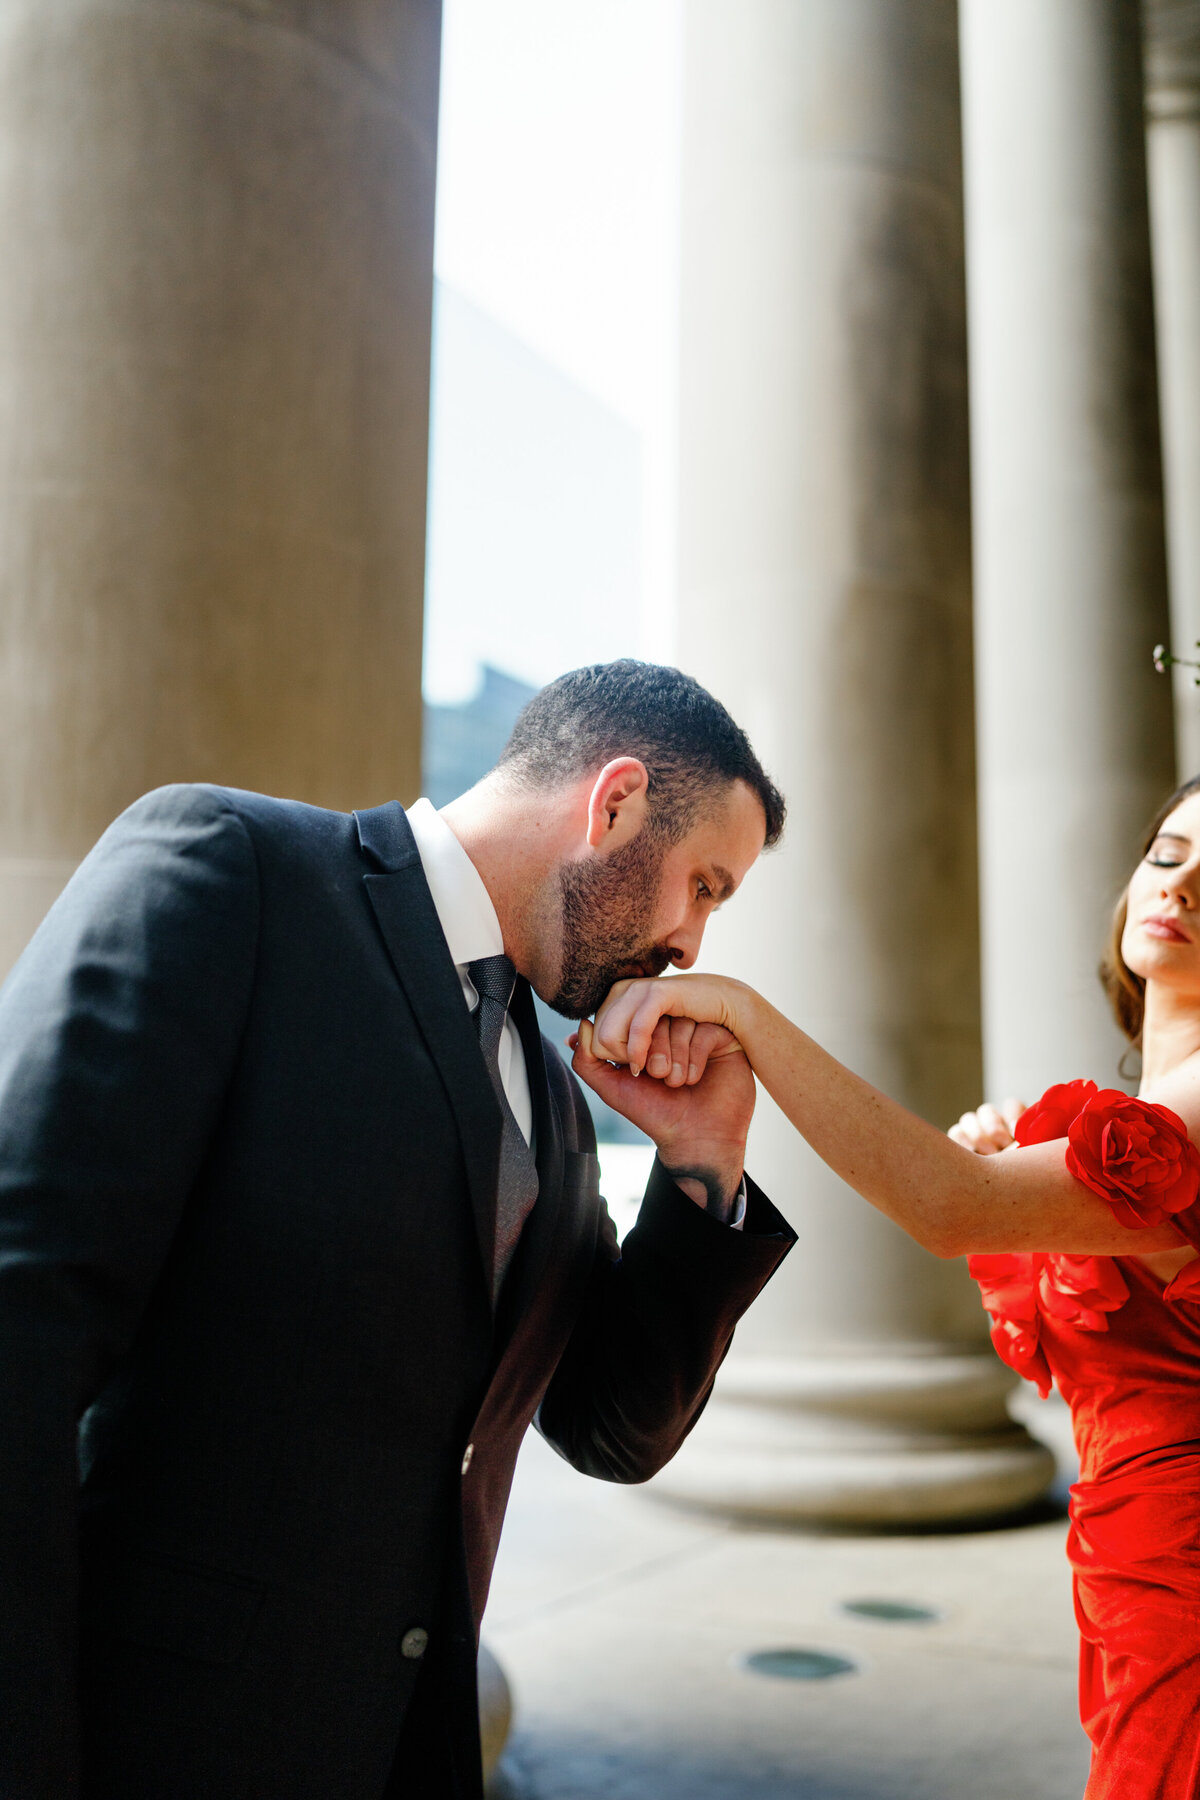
[1050, 1117]
[1009, 1284]
[1136, 1155]
[1081, 1290]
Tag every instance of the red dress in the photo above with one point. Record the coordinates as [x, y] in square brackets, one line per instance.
[1124, 1350]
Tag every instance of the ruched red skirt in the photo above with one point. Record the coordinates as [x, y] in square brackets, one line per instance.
[1135, 1549]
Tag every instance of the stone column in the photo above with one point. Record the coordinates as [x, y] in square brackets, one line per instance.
[1173, 142]
[825, 595]
[215, 299]
[1075, 731]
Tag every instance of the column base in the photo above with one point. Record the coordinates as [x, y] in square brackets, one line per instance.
[902, 1439]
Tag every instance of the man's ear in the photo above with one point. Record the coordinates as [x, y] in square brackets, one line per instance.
[617, 804]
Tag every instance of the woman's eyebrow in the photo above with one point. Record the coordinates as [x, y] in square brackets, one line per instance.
[1175, 837]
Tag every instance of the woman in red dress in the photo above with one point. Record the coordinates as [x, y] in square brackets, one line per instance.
[1083, 1236]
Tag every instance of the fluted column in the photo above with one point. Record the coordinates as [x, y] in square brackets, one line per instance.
[215, 295]
[1075, 732]
[1173, 142]
[825, 595]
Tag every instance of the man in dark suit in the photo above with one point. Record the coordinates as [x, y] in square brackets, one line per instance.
[299, 1216]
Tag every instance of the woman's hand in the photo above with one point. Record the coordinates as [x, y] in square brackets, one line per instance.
[672, 1027]
[700, 1127]
[988, 1130]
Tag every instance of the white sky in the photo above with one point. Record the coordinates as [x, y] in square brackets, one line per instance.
[557, 179]
[557, 210]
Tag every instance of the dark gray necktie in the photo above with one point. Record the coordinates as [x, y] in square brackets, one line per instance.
[494, 978]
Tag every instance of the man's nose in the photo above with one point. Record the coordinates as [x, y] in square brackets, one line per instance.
[684, 946]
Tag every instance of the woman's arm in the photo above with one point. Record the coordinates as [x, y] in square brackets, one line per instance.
[950, 1200]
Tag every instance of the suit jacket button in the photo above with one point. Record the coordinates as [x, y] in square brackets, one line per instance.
[414, 1643]
[468, 1453]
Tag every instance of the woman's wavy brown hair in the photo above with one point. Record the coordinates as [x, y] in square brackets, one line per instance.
[1127, 991]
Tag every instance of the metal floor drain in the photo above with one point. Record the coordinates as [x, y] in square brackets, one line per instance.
[894, 1612]
[799, 1665]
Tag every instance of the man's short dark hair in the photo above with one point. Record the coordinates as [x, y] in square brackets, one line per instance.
[688, 742]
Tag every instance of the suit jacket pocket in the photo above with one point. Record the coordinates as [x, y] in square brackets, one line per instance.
[178, 1607]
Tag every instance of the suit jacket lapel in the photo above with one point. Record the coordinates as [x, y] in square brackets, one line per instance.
[415, 943]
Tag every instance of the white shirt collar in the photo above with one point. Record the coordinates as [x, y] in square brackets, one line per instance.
[464, 906]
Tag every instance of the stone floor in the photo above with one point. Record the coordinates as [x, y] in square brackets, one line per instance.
[623, 1625]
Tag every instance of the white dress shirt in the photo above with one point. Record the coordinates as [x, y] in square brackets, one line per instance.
[471, 929]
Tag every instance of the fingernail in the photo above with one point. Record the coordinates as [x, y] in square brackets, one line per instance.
[658, 1065]
[635, 1070]
[676, 1071]
[693, 1072]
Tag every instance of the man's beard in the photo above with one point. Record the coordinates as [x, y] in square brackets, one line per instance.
[607, 906]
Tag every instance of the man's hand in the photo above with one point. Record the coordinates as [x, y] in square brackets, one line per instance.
[698, 1122]
[988, 1130]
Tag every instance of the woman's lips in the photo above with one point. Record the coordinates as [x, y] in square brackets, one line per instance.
[1165, 929]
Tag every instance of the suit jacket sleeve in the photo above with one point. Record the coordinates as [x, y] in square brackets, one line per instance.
[118, 1031]
[656, 1323]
